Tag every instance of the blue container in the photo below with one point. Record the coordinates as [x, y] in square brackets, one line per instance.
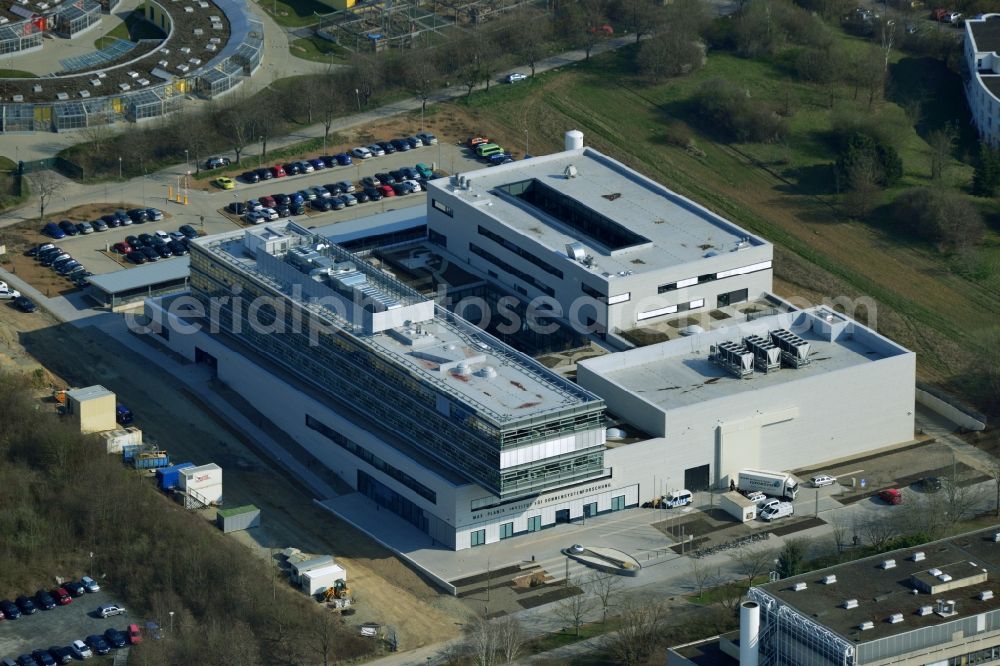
[168, 477]
[151, 463]
[128, 451]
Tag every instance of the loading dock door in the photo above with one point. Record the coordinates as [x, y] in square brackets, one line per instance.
[562, 516]
[696, 478]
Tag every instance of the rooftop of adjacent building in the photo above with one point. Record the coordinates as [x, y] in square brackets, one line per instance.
[625, 222]
[493, 380]
[985, 30]
[679, 372]
[968, 564]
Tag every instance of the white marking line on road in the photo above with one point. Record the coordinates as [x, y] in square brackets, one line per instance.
[856, 471]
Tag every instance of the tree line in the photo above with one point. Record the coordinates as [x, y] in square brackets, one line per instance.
[70, 509]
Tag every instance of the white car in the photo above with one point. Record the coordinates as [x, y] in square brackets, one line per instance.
[110, 610]
[515, 77]
[376, 150]
[756, 497]
[80, 650]
[90, 584]
[428, 139]
[162, 235]
[415, 185]
[361, 152]
[270, 213]
[821, 480]
[9, 294]
[767, 503]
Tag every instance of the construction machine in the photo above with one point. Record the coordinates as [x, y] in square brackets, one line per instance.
[338, 590]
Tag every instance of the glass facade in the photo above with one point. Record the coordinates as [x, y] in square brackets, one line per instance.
[388, 498]
[387, 397]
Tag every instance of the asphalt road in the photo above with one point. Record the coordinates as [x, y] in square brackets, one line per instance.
[60, 626]
[203, 208]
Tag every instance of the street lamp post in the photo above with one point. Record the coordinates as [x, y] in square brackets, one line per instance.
[119, 167]
[187, 162]
[526, 153]
[357, 95]
[171, 623]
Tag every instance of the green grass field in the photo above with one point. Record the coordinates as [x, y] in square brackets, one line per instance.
[16, 74]
[319, 50]
[785, 192]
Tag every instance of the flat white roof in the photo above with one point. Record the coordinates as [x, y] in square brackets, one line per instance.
[678, 372]
[630, 223]
[89, 393]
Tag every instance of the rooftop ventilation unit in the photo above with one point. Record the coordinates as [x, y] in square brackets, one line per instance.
[934, 572]
[733, 357]
[850, 603]
[944, 608]
[895, 618]
[888, 564]
[944, 578]
[986, 595]
[918, 556]
[996, 537]
[570, 172]
[576, 252]
[766, 356]
[798, 587]
[925, 610]
[794, 350]
[829, 580]
[866, 625]
[487, 372]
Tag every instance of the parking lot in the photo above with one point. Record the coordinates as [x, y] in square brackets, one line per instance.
[206, 210]
[59, 626]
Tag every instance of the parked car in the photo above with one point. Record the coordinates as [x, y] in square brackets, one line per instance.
[336, 203]
[931, 484]
[24, 304]
[361, 153]
[296, 199]
[321, 204]
[343, 159]
[270, 214]
[293, 168]
[61, 654]
[307, 195]
[99, 225]
[177, 248]
[267, 201]
[297, 209]
[385, 179]
[362, 196]
[891, 496]
[401, 145]
[253, 217]
[424, 170]
[411, 186]
[66, 267]
[281, 199]
[80, 650]
[84, 228]
[376, 150]
[514, 77]
[217, 162]
[44, 600]
[428, 139]
[115, 638]
[821, 480]
[346, 187]
[75, 588]
[143, 240]
[474, 141]
[68, 228]
[776, 511]
[370, 181]
[188, 231]
[387, 147]
[278, 171]
[255, 205]
[62, 596]
[321, 192]
[250, 176]
[41, 247]
[98, 644]
[164, 251]
[112, 221]
[154, 214]
[9, 609]
[26, 605]
[26, 660]
[414, 142]
[110, 610]
[136, 257]
[51, 259]
[264, 173]
[134, 635]
[139, 215]
[348, 199]
[496, 159]
[316, 164]
[123, 217]
[387, 191]
[373, 193]
[329, 161]
[225, 183]
[43, 658]
[409, 173]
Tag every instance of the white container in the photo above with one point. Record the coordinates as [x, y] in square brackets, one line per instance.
[315, 580]
[202, 497]
[115, 440]
[203, 476]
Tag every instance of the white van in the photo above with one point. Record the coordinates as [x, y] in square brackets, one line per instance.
[676, 498]
[775, 511]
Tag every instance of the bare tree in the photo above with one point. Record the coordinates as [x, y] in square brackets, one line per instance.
[481, 642]
[878, 531]
[533, 32]
[961, 499]
[573, 610]
[324, 637]
[510, 639]
[267, 116]
[236, 123]
[941, 142]
[605, 587]
[995, 475]
[863, 175]
[45, 184]
[366, 72]
[701, 575]
[839, 531]
[639, 633]
[752, 561]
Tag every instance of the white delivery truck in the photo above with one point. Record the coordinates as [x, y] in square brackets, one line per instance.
[775, 484]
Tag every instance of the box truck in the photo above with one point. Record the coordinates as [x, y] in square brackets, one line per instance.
[775, 484]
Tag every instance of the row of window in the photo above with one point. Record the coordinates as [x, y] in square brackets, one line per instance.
[516, 272]
[534, 523]
[385, 496]
[519, 251]
[709, 277]
[984, 656]
[371, 459]
[671, 309]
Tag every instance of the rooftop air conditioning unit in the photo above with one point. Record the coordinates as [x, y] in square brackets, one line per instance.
[944, 578]
[798, 587]
[570, 172]
[888, 564]
[986, 595]
[850, 603]
[829, 580]
[996, 538]
[945, 608]
[918, 556]
[866, 625]
[925, 610]
[895, 618]
[934, 572]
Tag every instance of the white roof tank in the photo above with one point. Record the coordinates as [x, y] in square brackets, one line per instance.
[574, 140]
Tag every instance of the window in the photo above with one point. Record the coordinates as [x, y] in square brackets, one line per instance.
[618, 503]
[590, 510]
[694, 305]
[753, 268]
[478, 537]
[516, 272]
[506, 530]
[659, 312]
[590, 291]
[534, 523]
[732, 297]
[620, 298]
[444, 208]
[437, 238]
[519, 251]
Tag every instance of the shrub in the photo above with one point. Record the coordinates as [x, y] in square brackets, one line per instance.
[939, 215]
[861, 147]
[728, 108]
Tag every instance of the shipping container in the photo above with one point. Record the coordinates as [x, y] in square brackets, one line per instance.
[129, 451]
[238, 518]
[195, 478]
[116, 440]
[202, 497]
[167, 477]
[316, 580]
[151, 459]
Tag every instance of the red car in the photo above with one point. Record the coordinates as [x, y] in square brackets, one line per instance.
[61, 596]
[122, 248]
[476, 140]
[278, 171]
[386, 190]
[134, 635]
[891, 496]
[268, 202]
